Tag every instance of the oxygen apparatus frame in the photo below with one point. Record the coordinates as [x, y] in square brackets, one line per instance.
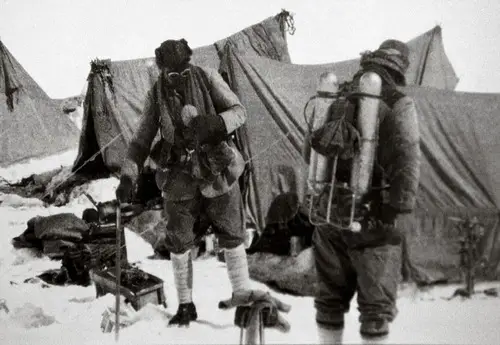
[354, 199]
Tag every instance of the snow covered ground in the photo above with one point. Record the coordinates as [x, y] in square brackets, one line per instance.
[72, 315]
[37, 166]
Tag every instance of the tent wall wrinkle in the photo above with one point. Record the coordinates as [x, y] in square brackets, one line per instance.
[458, 141]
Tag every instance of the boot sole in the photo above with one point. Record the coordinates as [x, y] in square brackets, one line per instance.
[374, 335]
[192, 319]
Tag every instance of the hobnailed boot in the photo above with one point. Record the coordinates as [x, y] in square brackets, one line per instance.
[374, 329]
[185, 314]
[183, 278]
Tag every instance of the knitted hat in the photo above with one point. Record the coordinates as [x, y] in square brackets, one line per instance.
[173, 54]
[392, 54]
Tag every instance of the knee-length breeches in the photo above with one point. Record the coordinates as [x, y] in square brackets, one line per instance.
[224, 212]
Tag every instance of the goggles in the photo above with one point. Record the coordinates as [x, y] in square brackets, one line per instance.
[175, 76]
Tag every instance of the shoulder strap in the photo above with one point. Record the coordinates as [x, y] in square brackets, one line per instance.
[156, 102]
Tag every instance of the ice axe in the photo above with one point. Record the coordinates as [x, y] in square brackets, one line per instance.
[118, 269]
[252, 320]
[255, 311]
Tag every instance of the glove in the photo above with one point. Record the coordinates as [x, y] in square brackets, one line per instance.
[209, 129]
[272, 317]
[124, 191]
[391, 95]
[219, 157]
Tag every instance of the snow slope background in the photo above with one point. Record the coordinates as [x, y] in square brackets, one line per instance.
[42, 314]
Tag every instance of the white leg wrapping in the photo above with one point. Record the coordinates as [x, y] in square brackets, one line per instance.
[183, 276]
[329, 336]
[237, 268]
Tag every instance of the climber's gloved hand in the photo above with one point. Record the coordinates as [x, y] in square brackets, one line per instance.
[260, 300]
[125, 190]
[209, 129]
[374, 233]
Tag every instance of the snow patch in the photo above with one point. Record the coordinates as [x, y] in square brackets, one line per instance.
[31, 316]
[101, 190]
[16, 172]
[16, 201]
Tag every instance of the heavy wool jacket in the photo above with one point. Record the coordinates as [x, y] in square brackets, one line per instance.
[158, 117]
[399, 153]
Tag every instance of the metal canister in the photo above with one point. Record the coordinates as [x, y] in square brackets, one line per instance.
[296, 245]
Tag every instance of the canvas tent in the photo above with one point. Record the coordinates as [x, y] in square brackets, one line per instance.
[31, 124]
[460, 171]
[117, 89]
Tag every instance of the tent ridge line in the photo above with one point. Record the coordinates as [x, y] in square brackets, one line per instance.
[426, 56]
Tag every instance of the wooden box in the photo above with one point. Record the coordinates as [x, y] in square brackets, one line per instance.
[149, 290]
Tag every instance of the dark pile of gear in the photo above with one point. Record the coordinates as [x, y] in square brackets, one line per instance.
[82, 244]
[88, 242]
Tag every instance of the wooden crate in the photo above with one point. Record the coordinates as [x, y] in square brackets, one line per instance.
[103, 237]
[151, 291]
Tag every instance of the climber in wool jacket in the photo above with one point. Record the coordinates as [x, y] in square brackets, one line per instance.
[195, 112]
[368, 262]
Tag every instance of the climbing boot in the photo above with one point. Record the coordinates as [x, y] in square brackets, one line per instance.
[185, 314]
[374, 328]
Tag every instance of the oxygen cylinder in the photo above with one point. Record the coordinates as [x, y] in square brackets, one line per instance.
[367, 125]
[320, 166]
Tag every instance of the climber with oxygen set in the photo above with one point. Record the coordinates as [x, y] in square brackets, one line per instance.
[362, 147]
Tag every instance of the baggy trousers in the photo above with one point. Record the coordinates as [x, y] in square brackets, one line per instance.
[371, 272]
[225, 212]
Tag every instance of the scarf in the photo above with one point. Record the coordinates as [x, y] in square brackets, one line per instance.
[195, 92]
